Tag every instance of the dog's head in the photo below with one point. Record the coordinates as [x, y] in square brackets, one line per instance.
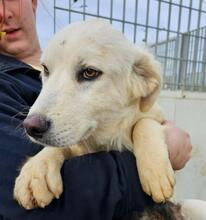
[91, 74]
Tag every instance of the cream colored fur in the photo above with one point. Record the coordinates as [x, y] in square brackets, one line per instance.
[115, 111]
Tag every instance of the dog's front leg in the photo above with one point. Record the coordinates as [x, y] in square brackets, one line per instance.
[39, 181]
[155, 170]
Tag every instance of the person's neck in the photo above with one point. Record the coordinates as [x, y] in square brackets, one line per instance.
[32, 58]
[32, 55]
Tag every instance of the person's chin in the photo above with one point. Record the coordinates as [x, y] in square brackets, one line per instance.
[14, 48]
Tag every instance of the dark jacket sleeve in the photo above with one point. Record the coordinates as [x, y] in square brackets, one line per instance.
[100, 186]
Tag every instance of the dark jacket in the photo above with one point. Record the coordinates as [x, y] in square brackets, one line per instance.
[101, 186]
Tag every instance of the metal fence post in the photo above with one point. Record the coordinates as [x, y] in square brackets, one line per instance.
[176, 62]
[183, 62]
[203, 78]
[194, 63]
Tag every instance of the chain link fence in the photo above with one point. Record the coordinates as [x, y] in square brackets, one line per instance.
[174, 29]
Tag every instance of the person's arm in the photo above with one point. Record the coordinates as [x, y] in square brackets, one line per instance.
[179, 145]
[97, 186]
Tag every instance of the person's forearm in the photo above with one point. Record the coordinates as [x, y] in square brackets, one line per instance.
[179, 145]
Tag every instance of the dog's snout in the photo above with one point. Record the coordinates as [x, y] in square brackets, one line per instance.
[36, 125]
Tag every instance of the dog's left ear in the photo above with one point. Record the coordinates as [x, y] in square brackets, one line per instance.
[148, 79]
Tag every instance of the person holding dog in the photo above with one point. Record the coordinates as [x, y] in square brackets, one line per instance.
[98, 186]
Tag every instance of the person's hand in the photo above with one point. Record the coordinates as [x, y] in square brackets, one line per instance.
[179, 145]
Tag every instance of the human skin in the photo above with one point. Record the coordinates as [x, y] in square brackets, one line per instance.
[21, 41]
[179, 145]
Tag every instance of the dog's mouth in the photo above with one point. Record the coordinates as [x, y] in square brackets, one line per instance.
[62, 139]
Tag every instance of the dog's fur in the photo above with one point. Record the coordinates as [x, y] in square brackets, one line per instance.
[117, 111]
[166, 211]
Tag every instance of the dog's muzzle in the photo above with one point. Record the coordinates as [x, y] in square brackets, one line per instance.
[36, 126]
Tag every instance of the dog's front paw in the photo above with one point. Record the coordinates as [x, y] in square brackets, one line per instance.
[157, 179]
[39, 181]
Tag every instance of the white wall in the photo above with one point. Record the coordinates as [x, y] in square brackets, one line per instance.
[188, 110]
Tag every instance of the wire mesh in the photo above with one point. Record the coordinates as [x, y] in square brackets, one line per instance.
[174, 29]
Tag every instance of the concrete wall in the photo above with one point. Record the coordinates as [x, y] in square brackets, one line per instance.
[188, 110]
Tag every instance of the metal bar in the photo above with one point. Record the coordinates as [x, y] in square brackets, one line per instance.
[164, 42]
[168, 32]
[171, 85]
[54, 17]
[183, 6]
[70, 7]
[158, 25]
[147, 21]
[84, 10]
[187, 49]
[204, 65]
[189, 58]
[135, 21]
[169, 63]
[190, 61]
[98, 7]
[177, 51]
[183, 62]
[123, 15]
[111, 10]
[196, 46]
[197, 72]
[182, 52]
[189, 19]
[119, 20]
[200, 52]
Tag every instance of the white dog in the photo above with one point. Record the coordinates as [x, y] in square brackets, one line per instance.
[98, 94]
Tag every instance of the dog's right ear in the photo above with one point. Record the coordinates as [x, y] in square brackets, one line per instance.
[147, 79]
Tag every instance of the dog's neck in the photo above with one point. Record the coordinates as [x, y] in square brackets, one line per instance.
[115, 132]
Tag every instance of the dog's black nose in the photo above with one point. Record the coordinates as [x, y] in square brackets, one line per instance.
[36, 125]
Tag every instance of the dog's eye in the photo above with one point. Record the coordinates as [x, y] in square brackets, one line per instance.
[88, 74]
[46, 71]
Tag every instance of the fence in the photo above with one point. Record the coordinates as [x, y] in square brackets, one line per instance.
[174, 29]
